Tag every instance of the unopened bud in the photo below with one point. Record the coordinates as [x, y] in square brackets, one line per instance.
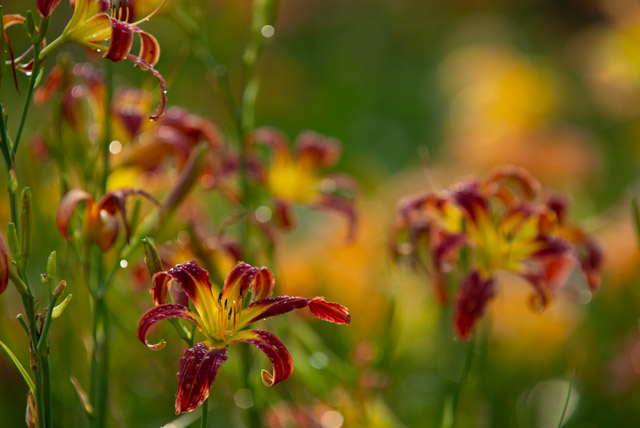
[51, 265]
[152, 258]
[30, 23]
[60, 288]
[12, 237]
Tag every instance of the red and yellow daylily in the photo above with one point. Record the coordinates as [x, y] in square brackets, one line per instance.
[223, 321]
[501, 224]
[100, 223]
[90, 25]
[297, 177]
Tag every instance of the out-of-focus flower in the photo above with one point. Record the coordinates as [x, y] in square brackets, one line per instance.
[297, 177]
[222, 321]
[90, 25]
[100, 224]
[498, 224]
[46, 7]
[4, 267]
[175, 135]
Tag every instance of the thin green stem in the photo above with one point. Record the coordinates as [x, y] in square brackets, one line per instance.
[106, 141]
[205, 413]
[566, 401]
[468, 358]
[46, 380]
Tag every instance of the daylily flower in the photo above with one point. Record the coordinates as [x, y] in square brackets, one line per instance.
[90, 25]
[100, 224]
[495, 225]
[297, 178]
[223, 320]
[46, 7]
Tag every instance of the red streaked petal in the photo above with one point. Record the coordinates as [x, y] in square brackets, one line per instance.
[510, 183]
[4, 267]
[473, 295]
[194, 280]
[46, 7]
[238, 282]
[163, 312]
[263, 285]
[149, 48]
[160, 289]
[66, 208]
[199, 367]
[121, 40]
[327, 311]
[467, 196]
[115, 201]
[274, 349]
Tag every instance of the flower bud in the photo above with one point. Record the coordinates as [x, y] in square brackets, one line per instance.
[12, 236]
[51, 265]
[60, 288]
[152, 258]
[46, 7]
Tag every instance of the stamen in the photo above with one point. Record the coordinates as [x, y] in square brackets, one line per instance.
[220, 298]
[230, 312]
[225, 304]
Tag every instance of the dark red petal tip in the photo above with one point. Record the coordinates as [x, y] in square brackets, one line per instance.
[159, 313]
[199, 367]
[472, 298]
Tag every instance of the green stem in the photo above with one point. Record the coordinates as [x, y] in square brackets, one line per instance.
[566, 401]
[107, 126]
[99, 364]
[468, 358]
[46, 379]
[205, 413]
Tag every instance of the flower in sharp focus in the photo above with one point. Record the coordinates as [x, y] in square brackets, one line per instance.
[499, 224]
[223, 320]
[298, 178]
[100, 224]
[90, 25]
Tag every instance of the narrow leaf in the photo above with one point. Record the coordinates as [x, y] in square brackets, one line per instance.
[20, 367]
[57, 311]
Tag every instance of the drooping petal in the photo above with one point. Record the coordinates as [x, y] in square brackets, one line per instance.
[115, 201]
[140, 62]
[160, 289]
[591, 258]
[326, 311]
[66, 208]
[163, 312]
[274, 349]
[473, 295]
[474, 204]
[194, 280]
[511, 183]
[199, 367]
[121, 40]
[4, 267]
[273, 139]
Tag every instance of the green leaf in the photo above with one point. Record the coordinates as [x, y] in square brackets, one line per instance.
[57, 311]
[20, 367]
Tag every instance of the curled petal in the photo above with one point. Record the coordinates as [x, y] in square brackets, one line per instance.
[541, 297]
[238, 282]
[326, 311]
[591, 258]
[4, 267]
[121, 40]
[149, 48]
[163, 312]
[115, 201]
[273, 139]
[160, 289]
[502, 181]
[106, 232]
[473, 295]
[344, 207]
[283, 213]
[274, 349]
[468, 196]
[199, 367]
[66, 208]
[263, 285]
[140, 62]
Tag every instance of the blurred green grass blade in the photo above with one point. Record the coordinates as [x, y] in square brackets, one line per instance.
[447, 414]
[20, 367]
[566, 401]
[635, 211]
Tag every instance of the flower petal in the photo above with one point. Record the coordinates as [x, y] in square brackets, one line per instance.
[121, 40]
[46, 7]
[341, 206]
[163, 312]
[511, 183]
[93, 30]
[316, 150]
[140, 62]
[66, 208]
[194, 280]
[326, 311]
[199, 367]
[274, 349]
[115, 201]
[473, 295]
[243, 278]
[149, 48]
